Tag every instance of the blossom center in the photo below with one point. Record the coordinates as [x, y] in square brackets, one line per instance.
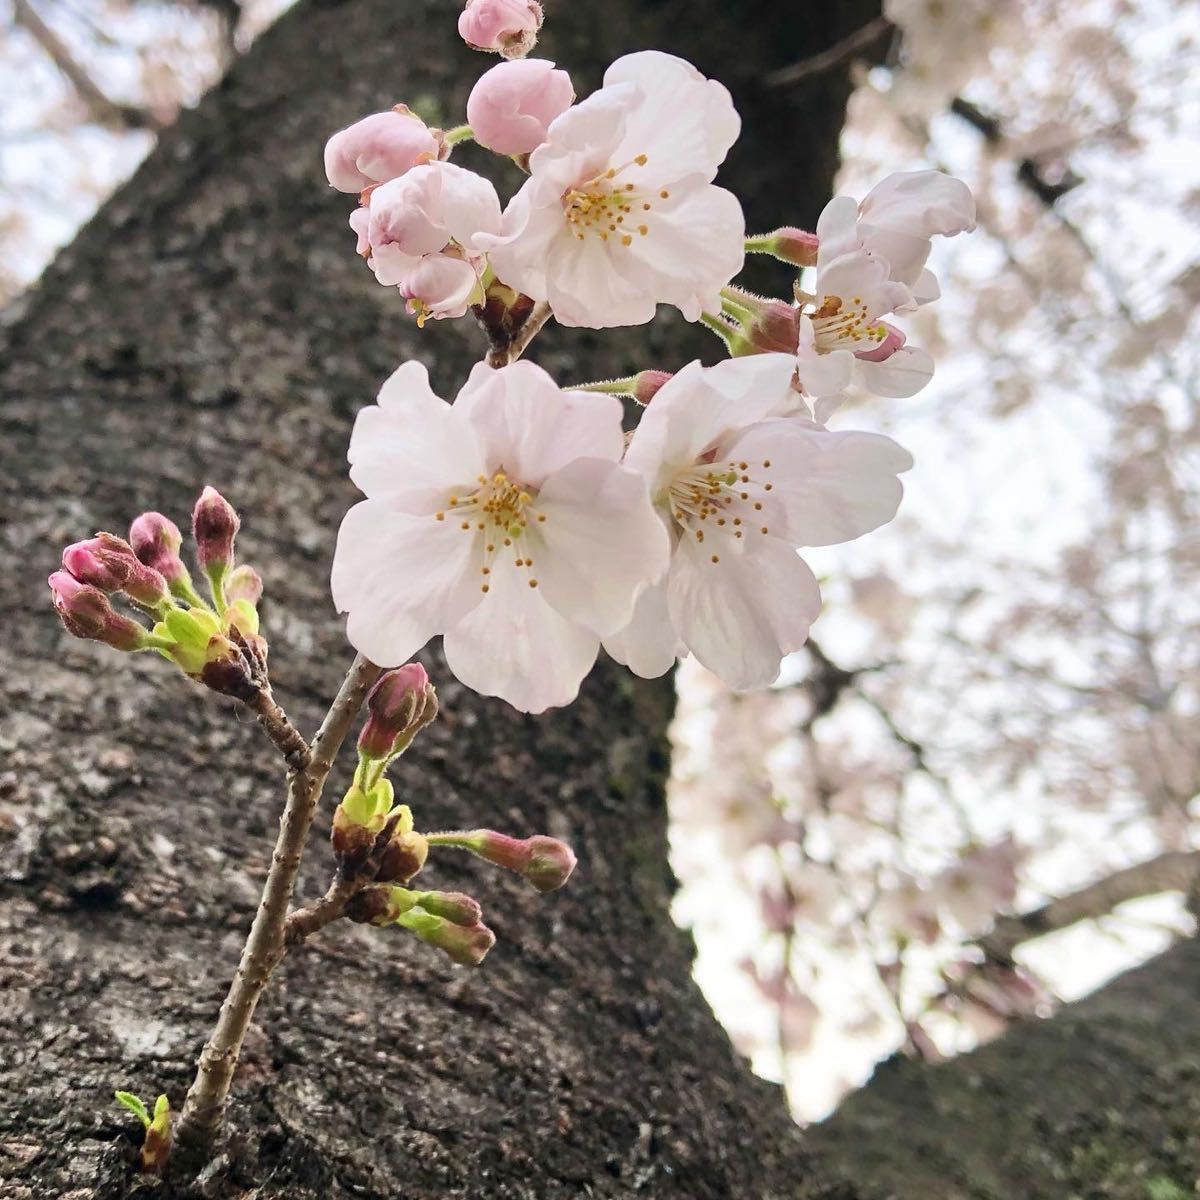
[603, 207]
[840, 324]
[720, 499]
[499, 513]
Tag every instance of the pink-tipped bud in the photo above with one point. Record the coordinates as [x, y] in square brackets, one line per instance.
[399, 706]
[378, 148]
[543, 861]
[511, 106]
[87, 613]
[776, 329]
[156, 540]
[214, 526]
[507, 27]
[455, 907]
[466, 945]
[244, 583]
[792, 245]
[647, 384]
[109, 563]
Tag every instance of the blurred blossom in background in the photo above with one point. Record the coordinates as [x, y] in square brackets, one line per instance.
[1000, 703]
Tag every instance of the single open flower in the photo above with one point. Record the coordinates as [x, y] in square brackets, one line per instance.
[739, 485]
[504, 521]
[619, 213]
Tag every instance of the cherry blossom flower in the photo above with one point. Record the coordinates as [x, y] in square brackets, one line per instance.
[897, 221]
[419, 233]
[378, 148]
[511, 107]
[504, 521]
[620, 213]
[739, 485]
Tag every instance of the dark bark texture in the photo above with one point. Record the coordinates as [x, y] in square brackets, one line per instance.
[212, 324]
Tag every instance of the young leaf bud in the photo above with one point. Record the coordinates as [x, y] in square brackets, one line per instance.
[156, 540]
[244, 585]
[86, 613]
[466, 945]
[399, 706]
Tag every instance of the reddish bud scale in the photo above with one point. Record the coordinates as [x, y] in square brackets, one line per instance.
[402, 858]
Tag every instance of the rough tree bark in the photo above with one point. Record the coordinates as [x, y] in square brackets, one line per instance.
[212, 325]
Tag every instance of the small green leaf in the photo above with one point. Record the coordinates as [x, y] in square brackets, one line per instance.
[135, 1106]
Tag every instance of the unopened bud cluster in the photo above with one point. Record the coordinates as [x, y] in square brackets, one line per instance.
[377, 846]
[216, 642]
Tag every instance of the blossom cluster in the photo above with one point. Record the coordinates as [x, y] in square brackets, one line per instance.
[520, 522]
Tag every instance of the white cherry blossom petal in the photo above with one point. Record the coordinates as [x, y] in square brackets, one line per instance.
[648, 645]
[515, 646]
[898, 376]
[741, 616]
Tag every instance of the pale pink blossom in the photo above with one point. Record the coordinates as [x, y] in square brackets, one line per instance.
[511, 106]
[418, 233]
[619, 213]
[896, 222]
[378, 148]
[507, 27]
[504, 522]
[738, 486]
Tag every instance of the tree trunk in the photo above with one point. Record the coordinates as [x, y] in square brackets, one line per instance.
[212, 324]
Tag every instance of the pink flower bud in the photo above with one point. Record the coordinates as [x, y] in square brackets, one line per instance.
[647, 384]
[543, 861]
[156, 540]
[109, 563]
[792, 245]
[87, 613]
[378, 148]
[399, 706]
[512, 105]
[466, 945]
[214, 526]
[507, 27]
[246, 584]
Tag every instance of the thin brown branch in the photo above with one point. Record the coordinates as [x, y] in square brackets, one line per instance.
[311, 918]
[1174, 871]
[502, 355]
[837, 54]
[204, 1107]
[283, 734]
[102, 108]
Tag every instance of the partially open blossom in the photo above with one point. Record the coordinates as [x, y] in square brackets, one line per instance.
[619, 213]
[507, 27]
[109, 563]
[511, 106]
[543, 861]
[399, 706]
[87, 613]
[739, 485]
[378, 148]
[896, 222]
[214, 526]
[505, 522]
[419, 235]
